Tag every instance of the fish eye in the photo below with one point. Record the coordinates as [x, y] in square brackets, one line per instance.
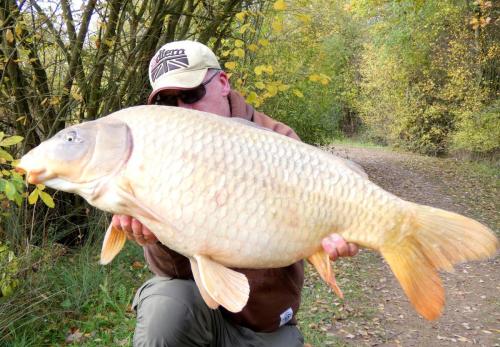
[71, 136]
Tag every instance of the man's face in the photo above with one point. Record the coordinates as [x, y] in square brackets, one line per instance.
[215, 99]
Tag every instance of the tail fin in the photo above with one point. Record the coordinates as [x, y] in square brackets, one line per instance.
[438, 240]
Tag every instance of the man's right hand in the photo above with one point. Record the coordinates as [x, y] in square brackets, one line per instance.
[134, 229]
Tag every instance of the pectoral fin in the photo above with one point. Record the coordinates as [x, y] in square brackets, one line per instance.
[220, 285]
[112, 244]
[135, 205]
[321, 262]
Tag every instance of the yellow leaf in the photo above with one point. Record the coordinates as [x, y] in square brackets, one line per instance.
[231, 65]
[268, 69]
[244, 28]
[263, 42]
[22, 120]
[47, 199]
[277, 26]
[253, 47]
[14, 163]
[40, 186]
[76, 95]
[304, 18]
[260, 85]
[9, 36]
[9, 141]
[283, 87]
[109, 43]
[238, 43]
[298, 93]
[314, 77]
[33, 197]
[239, 52]
[258, 69]
[272, 90]
[324, 81]
[19, 29]
[252, 98]
[55, 100]
[5, 155]
[240, 16]
[279, 5]
[225, 53]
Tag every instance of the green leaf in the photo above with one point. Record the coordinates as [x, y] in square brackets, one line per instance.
[6, 289]
[66, 303]
[47, 199]
[10, 190]
[12, 140]
[18, 199]
[2, 135]
[5, 155]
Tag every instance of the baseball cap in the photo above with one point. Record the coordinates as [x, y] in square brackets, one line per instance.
[180, 65]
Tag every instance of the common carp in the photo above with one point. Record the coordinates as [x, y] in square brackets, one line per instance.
[229, 195]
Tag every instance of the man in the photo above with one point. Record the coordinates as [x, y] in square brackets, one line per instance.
[170, 310]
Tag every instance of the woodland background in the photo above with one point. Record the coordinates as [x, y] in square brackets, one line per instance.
[422, 76]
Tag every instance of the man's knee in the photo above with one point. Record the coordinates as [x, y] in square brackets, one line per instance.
[170, 313]
[162, 321]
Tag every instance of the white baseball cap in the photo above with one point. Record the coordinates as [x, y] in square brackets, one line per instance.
[180, 65]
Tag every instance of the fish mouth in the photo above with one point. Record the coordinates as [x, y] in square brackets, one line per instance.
[36, 176]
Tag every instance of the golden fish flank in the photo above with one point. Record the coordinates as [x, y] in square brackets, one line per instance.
[225, 194]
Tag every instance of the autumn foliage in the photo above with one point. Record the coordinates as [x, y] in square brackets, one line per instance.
[422, 75]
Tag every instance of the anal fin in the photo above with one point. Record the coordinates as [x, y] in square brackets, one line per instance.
[114, 240]
[204, 294]
[321, 262]
[220, 285]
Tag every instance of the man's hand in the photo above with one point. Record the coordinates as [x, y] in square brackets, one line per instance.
[134, 229]
[335, 246]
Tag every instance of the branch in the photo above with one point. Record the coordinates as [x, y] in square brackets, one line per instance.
[76, 50]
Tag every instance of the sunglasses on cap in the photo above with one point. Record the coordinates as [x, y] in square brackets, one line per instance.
[188, 96]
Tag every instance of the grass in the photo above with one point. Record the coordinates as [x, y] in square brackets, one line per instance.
[353, 142]
[75, 297]
[321, 309]
[71, 296]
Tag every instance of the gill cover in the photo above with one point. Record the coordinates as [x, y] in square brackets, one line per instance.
[80, 153]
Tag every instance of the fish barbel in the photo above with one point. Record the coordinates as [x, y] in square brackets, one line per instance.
[228, 195]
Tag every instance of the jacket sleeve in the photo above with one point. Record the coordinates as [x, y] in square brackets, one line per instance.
[165, 262]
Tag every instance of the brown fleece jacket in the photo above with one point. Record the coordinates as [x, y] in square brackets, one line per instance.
[274, 293]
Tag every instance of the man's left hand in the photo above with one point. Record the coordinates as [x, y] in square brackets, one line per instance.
[335, 246]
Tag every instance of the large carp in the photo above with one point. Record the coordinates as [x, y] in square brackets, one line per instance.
[228, 195]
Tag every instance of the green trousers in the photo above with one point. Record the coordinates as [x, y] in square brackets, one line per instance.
[171, 312]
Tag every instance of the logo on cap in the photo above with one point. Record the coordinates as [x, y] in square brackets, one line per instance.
[167, 60]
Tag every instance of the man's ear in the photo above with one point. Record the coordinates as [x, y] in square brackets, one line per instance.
[224, 80]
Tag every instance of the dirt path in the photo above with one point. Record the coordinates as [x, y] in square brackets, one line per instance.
[472, 313]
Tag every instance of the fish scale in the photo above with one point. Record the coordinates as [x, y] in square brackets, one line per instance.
[238, 163]
[228, 194]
